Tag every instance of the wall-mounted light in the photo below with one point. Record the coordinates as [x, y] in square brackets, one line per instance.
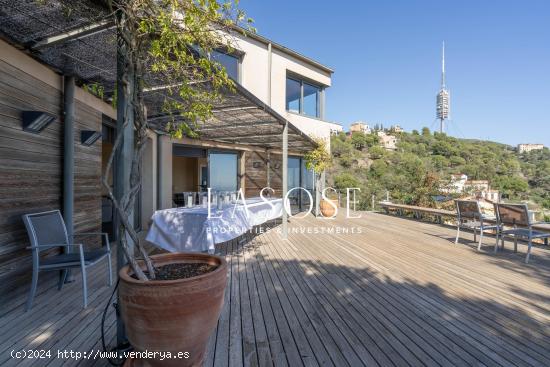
[89, 137]
[36, 121]
[257, 164]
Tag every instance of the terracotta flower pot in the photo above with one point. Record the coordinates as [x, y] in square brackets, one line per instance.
[327, 210]
[173, 315]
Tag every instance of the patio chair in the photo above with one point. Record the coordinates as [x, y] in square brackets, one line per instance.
[517, 217]
[469, 216]
[46, 231]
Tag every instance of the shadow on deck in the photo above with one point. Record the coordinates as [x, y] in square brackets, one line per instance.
[397, 293]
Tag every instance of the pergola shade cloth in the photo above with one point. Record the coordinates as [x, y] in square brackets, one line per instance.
[79, 38]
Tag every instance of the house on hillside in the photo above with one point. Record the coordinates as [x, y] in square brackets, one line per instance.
[397, 129]
[387, 141]
[525, 148]
[360, 126]
[460, 184]
[241, 147]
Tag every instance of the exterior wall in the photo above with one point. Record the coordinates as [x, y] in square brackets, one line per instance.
[31, 164]
[255, 76]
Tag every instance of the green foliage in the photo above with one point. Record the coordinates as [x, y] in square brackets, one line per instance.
[95, 89]
[167, 45]
[318, 159]
[345, 180]
[376, 152]
[424, 161]
[358, 140]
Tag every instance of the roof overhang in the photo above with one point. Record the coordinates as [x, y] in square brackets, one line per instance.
[83, 43]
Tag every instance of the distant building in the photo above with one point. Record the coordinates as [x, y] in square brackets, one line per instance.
[388, 142]
[475, 188]
[397, 129]
[335, 128]
[457, 184]
[523, 148]
[476, 185]
[360, 126]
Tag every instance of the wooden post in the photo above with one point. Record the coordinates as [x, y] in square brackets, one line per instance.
[285, 180]
[242, 171]
[68, 161]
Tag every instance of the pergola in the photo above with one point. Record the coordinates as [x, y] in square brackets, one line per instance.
[78, 39]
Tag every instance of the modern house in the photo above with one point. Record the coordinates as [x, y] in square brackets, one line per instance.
[52, 156]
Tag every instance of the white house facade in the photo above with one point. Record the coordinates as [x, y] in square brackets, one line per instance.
[292, 84]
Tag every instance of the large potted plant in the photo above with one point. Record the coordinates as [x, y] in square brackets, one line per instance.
[169, 302]
[318, 160]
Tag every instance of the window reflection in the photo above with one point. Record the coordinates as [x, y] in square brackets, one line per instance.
[293, 95]
[311, 100]
[303, 98]
[229, 62]
[223, 171]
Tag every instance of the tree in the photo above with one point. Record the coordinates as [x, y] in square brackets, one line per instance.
[345, 180]
[168, 43]
[372, 140]
[358, 140]
[426, 131]
[318, 159]
[376, 152]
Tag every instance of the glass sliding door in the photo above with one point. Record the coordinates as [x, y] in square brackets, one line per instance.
[223, 171]
[294, 181]
[308, 183]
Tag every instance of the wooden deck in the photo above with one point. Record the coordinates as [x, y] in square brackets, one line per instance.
[398, 293]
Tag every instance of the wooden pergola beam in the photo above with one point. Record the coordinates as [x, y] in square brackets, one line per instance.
[73, 34]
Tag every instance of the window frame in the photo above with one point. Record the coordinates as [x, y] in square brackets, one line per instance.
[235, 54]
[320, 96]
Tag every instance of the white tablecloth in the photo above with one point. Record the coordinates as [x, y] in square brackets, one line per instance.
[190, 229]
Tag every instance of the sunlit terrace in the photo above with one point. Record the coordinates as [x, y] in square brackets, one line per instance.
[394, 292]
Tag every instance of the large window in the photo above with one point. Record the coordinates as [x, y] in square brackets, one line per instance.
[229, 62]
[303, 97]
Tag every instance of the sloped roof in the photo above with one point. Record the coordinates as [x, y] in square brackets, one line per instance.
[79, 38]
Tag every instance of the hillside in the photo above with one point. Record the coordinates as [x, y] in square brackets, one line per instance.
[423, 162]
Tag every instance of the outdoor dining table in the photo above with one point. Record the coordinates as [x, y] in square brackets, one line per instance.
[191, 230]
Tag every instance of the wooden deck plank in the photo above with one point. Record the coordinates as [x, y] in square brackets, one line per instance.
[256, 315]
[221, 353]
[399, 293]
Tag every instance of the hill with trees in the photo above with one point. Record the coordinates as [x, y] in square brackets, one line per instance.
[423, 163]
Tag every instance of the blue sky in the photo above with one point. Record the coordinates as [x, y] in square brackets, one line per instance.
[386, 57]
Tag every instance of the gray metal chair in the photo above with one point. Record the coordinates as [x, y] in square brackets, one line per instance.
[46, 231]
[517, 217]
[469, 216]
